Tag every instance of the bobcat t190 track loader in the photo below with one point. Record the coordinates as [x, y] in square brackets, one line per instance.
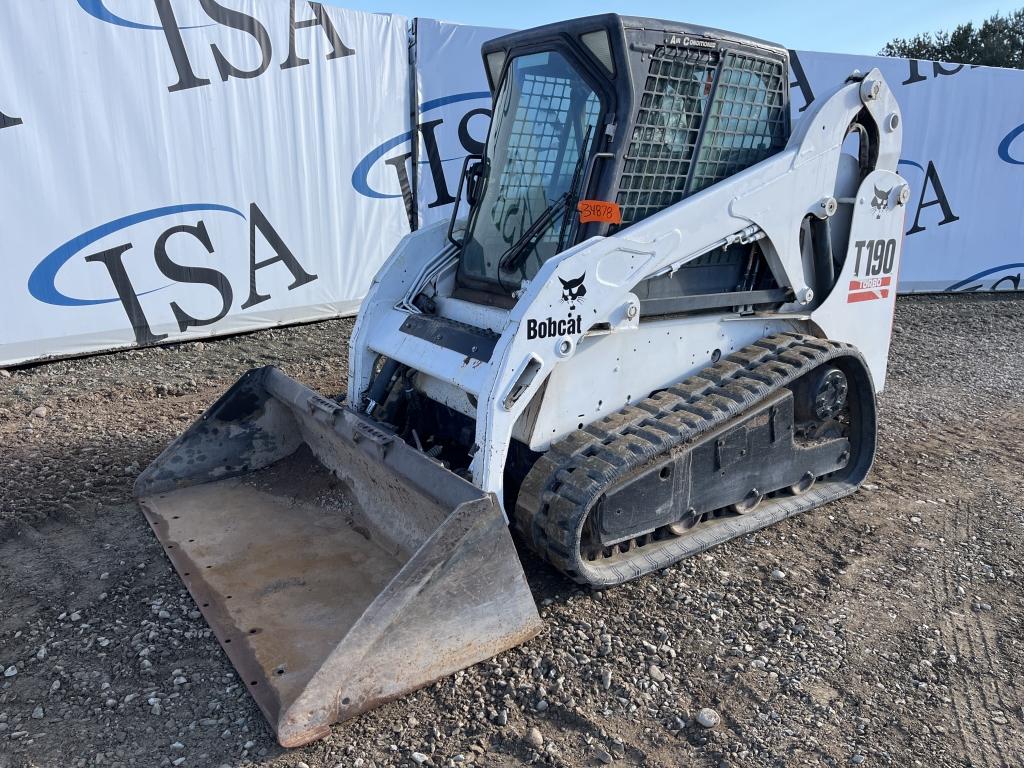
[661, 325]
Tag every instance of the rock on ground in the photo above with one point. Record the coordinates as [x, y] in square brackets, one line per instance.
[870, 647]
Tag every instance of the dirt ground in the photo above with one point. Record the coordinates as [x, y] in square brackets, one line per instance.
[885, 629]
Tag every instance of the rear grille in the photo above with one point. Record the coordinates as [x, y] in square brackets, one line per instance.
[747, 122]
[679, 145]
[666, 130]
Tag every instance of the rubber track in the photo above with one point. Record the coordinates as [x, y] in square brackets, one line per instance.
[570, 478]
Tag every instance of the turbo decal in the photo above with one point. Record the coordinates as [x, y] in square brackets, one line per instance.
[869, 289]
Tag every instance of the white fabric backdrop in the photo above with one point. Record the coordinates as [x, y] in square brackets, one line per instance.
[961, 159]
[452, 89]
[184, 168]
[120, 125]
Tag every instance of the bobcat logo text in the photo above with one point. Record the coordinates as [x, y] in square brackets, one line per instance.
[550, 327]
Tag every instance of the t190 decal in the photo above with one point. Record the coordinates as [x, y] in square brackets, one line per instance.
[875, 260]
[874, 257]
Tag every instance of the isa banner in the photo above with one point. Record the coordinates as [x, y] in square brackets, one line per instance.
[963, 156]
[421, 165]
[455, 109]
[182, 168]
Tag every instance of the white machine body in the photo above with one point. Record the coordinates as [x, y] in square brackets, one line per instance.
[562, 361]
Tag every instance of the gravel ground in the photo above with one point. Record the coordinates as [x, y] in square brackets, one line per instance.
[884, 629]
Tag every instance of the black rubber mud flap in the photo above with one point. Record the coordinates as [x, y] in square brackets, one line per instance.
[338, 567]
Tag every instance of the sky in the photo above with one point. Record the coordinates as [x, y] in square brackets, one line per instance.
[859, 27]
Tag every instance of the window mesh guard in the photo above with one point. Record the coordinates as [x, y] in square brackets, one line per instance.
[680, 146]
[533, 144]
[538, 163]
[747, 121]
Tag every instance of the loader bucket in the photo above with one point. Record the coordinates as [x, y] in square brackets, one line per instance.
[338, 567]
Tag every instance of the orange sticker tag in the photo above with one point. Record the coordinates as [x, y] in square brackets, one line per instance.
[599, 210]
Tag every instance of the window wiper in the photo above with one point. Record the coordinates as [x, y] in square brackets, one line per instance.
[513, 257]
[573, 187]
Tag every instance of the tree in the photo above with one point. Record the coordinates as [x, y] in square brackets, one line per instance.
[998, 42]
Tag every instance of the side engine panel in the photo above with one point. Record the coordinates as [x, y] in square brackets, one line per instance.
[610, 370]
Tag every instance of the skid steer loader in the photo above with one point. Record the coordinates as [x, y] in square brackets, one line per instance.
[660, 324]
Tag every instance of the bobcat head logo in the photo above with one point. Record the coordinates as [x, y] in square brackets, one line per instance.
[573, 290]
[880, 201]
